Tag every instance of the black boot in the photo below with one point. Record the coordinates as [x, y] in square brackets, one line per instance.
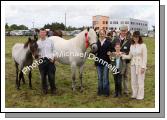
[44, 91]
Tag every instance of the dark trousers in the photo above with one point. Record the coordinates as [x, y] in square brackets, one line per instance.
[47, 69]
[118, 84]
[103, 80]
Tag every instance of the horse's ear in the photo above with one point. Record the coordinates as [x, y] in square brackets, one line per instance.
[88, 29]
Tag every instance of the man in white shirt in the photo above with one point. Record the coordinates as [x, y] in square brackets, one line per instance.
[47, 67]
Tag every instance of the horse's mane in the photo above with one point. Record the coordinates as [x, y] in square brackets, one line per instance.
[26, 44]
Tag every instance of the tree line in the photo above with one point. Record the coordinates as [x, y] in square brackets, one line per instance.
[15, 27]
[52, 26]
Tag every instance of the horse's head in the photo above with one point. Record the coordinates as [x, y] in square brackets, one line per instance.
[92, 39]
[33, 46]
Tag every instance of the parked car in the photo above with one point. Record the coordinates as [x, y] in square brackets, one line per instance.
[145, 35]
[16, 33]
[7, 33]
[27, 32]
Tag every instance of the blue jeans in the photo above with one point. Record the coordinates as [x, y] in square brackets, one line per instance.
[103, 80]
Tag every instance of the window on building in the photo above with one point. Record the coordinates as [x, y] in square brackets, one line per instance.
[110, 22]
[126, 22]
[103, 22]
[106, 22]
[94, 22]
[111, 28]
[122, 22]
[115, 22]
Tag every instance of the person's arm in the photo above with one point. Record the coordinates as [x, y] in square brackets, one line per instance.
[128, 47]
[39, 49]
[52, 57]
[144, 56]
[129, 56]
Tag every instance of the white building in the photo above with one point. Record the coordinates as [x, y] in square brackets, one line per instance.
[133, 25]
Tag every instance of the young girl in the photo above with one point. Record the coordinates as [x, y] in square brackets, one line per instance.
[117, 61]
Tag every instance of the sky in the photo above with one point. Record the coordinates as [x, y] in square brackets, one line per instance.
[76, 16]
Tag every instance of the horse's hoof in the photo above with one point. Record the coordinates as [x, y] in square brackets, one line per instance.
[73, 89]
[81, 90]
[18, 88]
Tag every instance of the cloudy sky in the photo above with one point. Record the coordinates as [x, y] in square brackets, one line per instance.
[76, 15]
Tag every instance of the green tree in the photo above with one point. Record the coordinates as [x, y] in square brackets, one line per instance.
[55, 26]
[14, 27]
[22, 27]
[6, 27]
[18, 27]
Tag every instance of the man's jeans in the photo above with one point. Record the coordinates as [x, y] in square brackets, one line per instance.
[103, 80]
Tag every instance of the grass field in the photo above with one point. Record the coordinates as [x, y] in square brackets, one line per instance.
[26, 98]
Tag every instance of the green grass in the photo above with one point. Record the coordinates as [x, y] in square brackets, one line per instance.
[26, 98]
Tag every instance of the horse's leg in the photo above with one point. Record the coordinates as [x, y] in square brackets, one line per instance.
[20, 77]
[80, 77]
[73, 70]
[23, 79]
[29, 76]
[17, 71]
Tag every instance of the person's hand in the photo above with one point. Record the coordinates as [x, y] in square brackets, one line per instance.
[108, 53]
[123, 56]
[142, 70]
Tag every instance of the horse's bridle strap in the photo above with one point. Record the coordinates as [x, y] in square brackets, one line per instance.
[86, 40]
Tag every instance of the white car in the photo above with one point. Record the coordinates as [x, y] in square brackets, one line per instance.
[145, 34]
[16, 32]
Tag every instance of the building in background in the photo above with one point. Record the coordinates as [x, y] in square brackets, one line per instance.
[100, 22]
[133, 25]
